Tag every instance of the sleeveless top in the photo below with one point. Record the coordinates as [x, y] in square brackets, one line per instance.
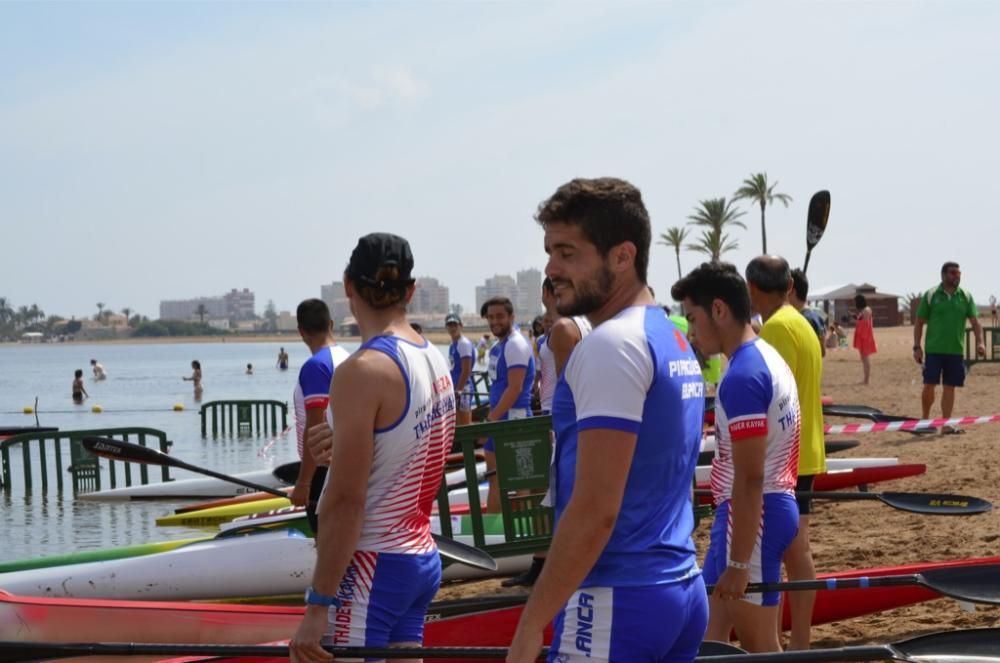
[408, 460]
[547, 363]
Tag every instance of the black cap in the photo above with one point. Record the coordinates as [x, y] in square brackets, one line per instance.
[381, 250]
[452, 319]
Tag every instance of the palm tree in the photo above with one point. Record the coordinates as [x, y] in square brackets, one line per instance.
[714, 244]
[100, 310]
[200, 312]
[715, 214]
[126, 311]
[755, 188]
[35, 312]
[6, 311]
[674, 238]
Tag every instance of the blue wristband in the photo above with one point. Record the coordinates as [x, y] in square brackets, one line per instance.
[315, 598]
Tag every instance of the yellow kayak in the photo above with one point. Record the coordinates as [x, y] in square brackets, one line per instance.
[215, 516]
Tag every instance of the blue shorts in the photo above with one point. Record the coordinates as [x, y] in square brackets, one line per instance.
[512, 413]
[385, 598]
[949, 367]
[654, 623]
[780, 526]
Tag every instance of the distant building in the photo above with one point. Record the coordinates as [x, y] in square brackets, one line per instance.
[240, 304]
[336, 301]
[234, 305]
[525, 293]
[286, 322]
[838, 304]
[429, 298]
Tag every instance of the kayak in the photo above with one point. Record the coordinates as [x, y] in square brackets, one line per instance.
[212, 516]
[707, 452]
[855, 478]
[491, 621]
[121, 552]
[703, 472]
[287, 518]
[198, 487]
[227, 501]
[263, 564]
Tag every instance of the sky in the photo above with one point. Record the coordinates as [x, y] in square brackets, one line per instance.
[156, 151]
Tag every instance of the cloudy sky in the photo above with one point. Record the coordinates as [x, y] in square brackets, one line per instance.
[170, 150]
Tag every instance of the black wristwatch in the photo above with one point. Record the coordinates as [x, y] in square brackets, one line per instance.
[916, 347]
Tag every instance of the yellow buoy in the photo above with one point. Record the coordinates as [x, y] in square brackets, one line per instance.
[178, 407]
[97, 409]
[28, 409]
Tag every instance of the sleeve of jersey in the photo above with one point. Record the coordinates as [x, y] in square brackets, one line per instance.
[924, 307]
[314, 378]
[518, 355]
[610, 377]
[466, 349]
[745, 399]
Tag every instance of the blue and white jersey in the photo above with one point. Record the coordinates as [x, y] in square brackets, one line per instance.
[512, 352]
[637, 373]
[312, 390]
[757, 397]
[457, 351]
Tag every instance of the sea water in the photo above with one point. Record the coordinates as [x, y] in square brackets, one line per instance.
[143, 386]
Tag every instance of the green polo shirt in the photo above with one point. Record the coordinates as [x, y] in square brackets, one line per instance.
[946, 315]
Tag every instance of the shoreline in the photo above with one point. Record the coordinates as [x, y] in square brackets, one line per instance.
[435, 337]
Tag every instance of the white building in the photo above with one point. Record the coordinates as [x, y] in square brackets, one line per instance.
[429, 298]
[525, 293]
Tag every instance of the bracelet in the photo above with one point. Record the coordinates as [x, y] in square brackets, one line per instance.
[738, 565]
[916, 347]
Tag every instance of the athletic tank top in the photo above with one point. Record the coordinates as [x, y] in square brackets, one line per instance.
[547, 363]
[408, 462]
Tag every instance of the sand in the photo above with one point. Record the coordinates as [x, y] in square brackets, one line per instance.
[869, 534]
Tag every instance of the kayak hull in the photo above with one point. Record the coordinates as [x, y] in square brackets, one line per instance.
[185, 488]
[449, 623]
[271, 563]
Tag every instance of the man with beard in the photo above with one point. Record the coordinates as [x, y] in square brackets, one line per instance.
[627, 416]
[944, 310]
[512, 374]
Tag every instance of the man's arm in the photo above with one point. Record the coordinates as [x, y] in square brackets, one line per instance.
[355, 396]
[745, 510]
[463, 379]
[918, 332]
[562, 339]
[604, 457]
[515, 381]
[300, 493]
[977, 332]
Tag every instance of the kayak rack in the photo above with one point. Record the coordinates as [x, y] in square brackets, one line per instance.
[243, 417]
[991, 337]
[44, 452]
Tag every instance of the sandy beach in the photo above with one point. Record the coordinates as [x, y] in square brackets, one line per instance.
[869, 534]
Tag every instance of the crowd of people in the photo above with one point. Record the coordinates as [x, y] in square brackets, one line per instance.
[624, 383]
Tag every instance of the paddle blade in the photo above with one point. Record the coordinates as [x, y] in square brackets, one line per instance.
[464, 554]
[936, 504]
[105, 447]
[819, 214]
[982, 643]
[287, 473]
[977, 584]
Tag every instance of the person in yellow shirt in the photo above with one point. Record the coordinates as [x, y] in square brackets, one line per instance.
[769, 280]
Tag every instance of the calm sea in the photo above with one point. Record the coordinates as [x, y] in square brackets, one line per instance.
[144, 383]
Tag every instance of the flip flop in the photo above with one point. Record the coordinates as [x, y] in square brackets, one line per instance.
[952, 430]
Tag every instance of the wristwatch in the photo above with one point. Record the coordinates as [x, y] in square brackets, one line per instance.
[315, 598]
[916, 347]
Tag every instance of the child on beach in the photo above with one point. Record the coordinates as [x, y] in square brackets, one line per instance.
[79, 393]
[99, 373]
[249, 369]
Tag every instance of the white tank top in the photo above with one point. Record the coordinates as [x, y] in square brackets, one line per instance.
[408, 462]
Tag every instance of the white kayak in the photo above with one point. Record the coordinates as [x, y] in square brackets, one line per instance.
[276, 563]
[832, 465]
[184, 488]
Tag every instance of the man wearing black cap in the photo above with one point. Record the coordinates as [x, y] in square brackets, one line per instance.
[461, 356]
[377, 566]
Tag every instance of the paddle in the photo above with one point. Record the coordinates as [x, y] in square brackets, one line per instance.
[967, 644]
[935, 504]
[977, 584]
[126, 451]
[871, 413]
[818, 215]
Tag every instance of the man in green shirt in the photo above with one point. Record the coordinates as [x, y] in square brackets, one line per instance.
[944, 310]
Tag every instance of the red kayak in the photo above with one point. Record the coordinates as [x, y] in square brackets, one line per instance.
[482, 622]
[859, 476]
